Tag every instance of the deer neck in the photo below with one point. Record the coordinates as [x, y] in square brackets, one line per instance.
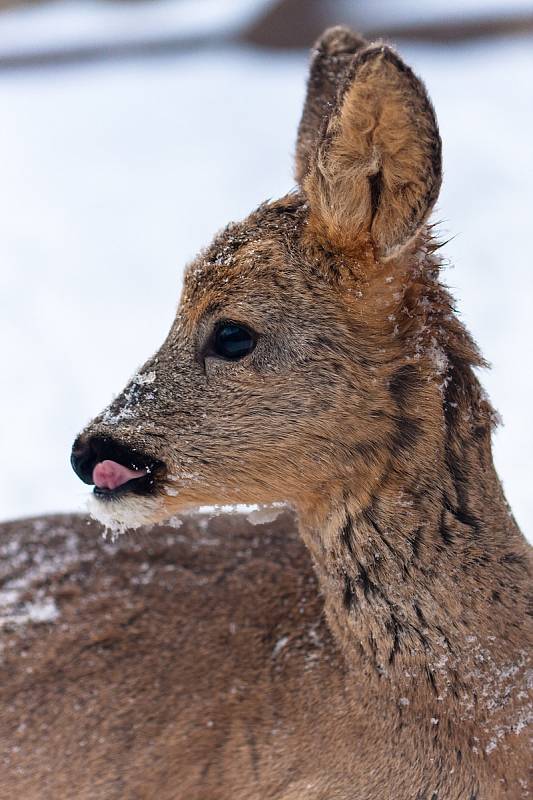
[425, 576]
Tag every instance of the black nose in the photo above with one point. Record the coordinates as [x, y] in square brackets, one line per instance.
[83, 459]
[88, 452]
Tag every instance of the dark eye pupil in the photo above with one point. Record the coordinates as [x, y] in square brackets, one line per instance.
[233, 341]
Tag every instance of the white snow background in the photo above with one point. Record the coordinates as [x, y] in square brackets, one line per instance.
[112, 176]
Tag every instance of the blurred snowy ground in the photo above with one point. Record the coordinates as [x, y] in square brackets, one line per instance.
[50, 26]
[70, 24]
[114, 175]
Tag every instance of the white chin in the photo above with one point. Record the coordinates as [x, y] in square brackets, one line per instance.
[125, 513]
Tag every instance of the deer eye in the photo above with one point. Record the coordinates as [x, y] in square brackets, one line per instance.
[232, 341]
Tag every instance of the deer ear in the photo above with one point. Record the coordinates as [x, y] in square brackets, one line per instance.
[332, 56]
[376, 168]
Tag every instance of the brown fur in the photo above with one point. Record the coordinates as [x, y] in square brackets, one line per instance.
[197, 664]
[332, 57]
[378, 165]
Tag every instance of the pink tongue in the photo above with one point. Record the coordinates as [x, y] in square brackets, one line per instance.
[110, 475]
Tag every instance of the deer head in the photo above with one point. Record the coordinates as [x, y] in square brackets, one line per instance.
[313, 340]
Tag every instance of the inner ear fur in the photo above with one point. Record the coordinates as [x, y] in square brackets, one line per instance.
[332, 57]
[376, 167]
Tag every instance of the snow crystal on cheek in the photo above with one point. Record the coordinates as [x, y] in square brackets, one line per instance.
[112, 419]
[142, 380]
[183, 478]
[132, 398]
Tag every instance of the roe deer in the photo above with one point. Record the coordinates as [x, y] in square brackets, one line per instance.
[370, 643]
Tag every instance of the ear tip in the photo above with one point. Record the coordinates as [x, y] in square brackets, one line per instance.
[339, 40]
[381, 51]
[386, 57]
[380, 109]
[331, 56]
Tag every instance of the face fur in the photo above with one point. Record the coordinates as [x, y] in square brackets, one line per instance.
[299, 330]
[238, 430]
